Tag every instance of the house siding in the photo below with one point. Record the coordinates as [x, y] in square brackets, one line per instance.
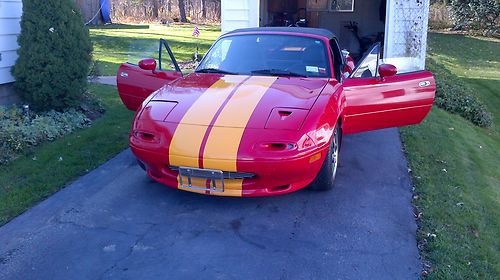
[10, 18]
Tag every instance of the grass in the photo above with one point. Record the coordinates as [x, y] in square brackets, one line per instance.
[114, 45]
[456, 168]
[35, 176]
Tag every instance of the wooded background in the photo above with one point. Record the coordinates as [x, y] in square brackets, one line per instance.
[134, 11]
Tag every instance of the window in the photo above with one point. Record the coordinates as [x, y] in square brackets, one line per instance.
[166, 58]
[218, 55]
[342, 5]
[271, 54]
[368, 67]
[338, 60]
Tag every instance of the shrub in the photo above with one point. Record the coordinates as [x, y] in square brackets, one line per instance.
[481, 15]
[91, 106]
[54, 55]
[20, 131]
[456, 97]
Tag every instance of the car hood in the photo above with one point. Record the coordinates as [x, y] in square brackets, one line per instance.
[234, 100]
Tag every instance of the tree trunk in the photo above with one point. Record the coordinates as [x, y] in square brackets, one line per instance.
[155, 8]
[89, 9]
[182, 11]
[204, 9]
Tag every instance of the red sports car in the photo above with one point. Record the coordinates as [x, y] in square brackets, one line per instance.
[264, 112]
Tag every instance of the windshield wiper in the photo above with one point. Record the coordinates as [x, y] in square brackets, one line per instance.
[277, 72]
[216, 71]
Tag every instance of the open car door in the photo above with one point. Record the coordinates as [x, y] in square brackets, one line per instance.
[136, 82]
[378, 97]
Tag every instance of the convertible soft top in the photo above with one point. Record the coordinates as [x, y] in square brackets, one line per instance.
[305, 30]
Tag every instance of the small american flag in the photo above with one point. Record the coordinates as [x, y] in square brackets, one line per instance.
[196, 31]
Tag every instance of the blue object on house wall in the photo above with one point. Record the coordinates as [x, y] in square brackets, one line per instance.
[105, 10]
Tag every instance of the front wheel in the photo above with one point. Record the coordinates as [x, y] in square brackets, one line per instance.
[326, 176]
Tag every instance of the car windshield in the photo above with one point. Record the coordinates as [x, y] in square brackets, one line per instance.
[267, 54]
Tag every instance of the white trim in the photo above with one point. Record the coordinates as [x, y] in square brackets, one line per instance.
[387, 24]
[239, 14]
[424, 35]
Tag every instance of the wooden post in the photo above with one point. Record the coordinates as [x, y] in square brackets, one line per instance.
[89, 9]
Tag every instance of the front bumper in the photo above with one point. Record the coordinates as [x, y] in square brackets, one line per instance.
[272, 176]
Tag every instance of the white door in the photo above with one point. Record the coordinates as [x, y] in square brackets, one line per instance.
[239, 14]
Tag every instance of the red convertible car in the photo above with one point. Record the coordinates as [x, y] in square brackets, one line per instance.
[264, 112]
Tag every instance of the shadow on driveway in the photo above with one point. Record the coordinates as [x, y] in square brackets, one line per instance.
[116, 223]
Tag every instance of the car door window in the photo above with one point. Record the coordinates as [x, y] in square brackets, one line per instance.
[166, 58]
[368, 67]
[338, 61]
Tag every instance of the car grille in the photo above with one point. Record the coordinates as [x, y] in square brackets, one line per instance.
[226, 174]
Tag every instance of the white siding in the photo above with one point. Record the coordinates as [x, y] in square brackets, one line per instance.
[239, 14]
[10, 17]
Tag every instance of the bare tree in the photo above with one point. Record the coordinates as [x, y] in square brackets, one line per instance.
[199, 11]
[203, 8]
[155, 8]
[182, 11]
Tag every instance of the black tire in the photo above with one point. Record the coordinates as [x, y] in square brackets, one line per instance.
[325, 179]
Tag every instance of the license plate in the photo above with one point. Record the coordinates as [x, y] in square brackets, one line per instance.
[215, 179]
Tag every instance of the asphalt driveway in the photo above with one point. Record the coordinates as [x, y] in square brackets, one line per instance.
[115, 223]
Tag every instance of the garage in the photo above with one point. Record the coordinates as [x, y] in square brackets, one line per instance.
[399, 25]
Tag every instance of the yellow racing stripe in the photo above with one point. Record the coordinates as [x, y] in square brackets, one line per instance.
[188, 136]
[221, 149]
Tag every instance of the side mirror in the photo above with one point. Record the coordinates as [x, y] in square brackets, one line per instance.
[387, 70]
[148, 64]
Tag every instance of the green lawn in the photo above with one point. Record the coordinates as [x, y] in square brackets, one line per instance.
[456, 168]
[51, 166]
[114, 45]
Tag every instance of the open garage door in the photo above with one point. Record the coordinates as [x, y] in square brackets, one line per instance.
[401, 26]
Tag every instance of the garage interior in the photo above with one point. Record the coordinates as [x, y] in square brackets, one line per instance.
[358, 24]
